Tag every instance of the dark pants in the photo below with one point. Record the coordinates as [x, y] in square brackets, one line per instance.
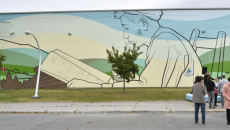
[197, 106]
[228, 115]
[215, 99]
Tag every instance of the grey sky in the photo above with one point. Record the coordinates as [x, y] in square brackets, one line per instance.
[83, 5]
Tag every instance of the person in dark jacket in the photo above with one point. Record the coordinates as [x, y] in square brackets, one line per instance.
[206, 77]
[211, 93]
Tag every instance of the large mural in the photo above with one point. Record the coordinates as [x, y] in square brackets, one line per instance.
[176, 44]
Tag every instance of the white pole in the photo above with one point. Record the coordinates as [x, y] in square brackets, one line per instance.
[39, 68]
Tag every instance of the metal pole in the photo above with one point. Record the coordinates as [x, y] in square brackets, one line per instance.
[39, 68]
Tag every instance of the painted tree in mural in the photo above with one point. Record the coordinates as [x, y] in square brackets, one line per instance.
[2, 58]
[123, 64]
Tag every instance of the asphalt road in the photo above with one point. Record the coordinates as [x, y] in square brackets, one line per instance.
[111, 121]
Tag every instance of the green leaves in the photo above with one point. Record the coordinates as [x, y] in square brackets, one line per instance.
[2, 58]
[123, 64]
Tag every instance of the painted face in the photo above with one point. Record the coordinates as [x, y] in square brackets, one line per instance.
[130, 28]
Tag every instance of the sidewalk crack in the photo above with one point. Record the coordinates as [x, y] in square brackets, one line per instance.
[88, 105]
[135, 105]
[166, 106]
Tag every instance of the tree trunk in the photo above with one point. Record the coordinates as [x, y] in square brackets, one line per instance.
[124, 87]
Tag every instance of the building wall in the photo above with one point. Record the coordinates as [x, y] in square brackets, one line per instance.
[175, 45]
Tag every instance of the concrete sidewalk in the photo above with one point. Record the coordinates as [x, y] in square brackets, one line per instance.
[105, 107]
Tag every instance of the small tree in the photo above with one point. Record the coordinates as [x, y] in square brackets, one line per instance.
[2, 58]
[123, 64]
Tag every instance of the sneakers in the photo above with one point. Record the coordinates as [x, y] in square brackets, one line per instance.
[212, 107]
[222, 106]
[196, 122]
[216, 105]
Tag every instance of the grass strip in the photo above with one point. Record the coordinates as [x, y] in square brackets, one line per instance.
[93, 95]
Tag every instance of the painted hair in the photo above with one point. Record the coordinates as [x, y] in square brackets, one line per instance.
[137, 15]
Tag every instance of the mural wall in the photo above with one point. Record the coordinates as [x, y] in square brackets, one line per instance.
[176, 44]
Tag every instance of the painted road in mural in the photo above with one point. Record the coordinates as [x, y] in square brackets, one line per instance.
[176, 44]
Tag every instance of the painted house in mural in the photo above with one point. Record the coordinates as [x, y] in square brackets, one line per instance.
[176, 44]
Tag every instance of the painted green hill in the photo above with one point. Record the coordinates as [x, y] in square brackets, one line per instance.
[18, 69]
[106, 67]
[19, 64]
[22, 72]
[17, 58]
[207, 57]
[226, 66]
[30, 52]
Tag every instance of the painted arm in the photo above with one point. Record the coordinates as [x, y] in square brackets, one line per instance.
[164, 62]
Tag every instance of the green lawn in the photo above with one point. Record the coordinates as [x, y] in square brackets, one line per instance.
[93, 95]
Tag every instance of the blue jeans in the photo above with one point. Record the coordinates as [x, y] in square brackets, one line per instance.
[197, 106]
[222, 100]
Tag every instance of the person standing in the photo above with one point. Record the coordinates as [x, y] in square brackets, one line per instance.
[206, 77]
[226, 94]
[216, 87]
[210, 89]
[221, 85]
[199, 91]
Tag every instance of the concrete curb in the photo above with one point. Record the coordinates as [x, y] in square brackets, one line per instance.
[49, 112]
[104, 107]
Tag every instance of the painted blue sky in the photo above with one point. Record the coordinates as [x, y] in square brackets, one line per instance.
[183, 22]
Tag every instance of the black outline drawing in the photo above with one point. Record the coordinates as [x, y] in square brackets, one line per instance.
[23, 44]
[76, 65]
[120, 14]
[221, 34]
[195, 34]
[81, 72]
